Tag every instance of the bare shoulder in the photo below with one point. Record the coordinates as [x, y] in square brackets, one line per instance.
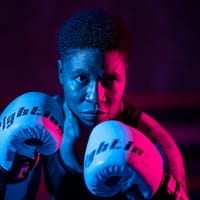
[153, 129]
[158, 133]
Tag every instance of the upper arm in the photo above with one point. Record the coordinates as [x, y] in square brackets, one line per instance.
[157, 133]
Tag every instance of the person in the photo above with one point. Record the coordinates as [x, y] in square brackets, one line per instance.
[94, 51]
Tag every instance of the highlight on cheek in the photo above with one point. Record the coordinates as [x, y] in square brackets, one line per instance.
[116, 68]
[120, 88]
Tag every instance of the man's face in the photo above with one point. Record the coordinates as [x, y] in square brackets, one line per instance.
[93, 83]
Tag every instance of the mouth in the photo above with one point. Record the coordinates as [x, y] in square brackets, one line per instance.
[95, 112]
[92, 117]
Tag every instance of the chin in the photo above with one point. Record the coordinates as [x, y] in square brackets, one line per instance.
[89, 124]
[92, 124]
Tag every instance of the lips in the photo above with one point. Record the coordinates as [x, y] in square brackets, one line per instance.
[95, 112]
[91, 117]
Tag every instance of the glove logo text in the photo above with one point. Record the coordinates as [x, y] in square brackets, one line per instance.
[22, 111]
[116, 145]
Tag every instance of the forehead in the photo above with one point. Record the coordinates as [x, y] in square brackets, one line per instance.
[95, 59]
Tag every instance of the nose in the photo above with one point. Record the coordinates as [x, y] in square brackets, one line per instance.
[96, 93]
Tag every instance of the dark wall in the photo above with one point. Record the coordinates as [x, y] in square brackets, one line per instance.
[165, 34]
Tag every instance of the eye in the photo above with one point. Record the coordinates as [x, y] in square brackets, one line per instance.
[109, 81]
[82, 79]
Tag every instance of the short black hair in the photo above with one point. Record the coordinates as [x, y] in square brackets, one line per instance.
[94, 29]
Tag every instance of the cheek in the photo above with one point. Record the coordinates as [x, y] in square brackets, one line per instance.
[119, 88]
[73, 95]
[69, 90]
[116, 94]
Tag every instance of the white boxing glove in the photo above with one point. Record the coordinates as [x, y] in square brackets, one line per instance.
[119, 157]
[30, 125]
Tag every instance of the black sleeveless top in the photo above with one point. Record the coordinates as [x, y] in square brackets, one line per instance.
[63, 183]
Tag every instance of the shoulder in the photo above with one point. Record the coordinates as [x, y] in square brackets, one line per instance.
[129, 113]
[158, 134]
[153, 128]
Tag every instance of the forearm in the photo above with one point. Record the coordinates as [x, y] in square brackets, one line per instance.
[158, 134]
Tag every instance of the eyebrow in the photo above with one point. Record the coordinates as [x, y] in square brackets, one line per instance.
[82, 70]
[115, 73]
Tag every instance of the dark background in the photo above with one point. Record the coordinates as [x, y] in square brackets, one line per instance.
[163, 75]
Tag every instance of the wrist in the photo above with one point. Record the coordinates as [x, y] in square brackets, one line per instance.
[170, 189]
[20, 169]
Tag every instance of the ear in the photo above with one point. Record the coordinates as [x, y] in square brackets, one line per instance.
[60, 70]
